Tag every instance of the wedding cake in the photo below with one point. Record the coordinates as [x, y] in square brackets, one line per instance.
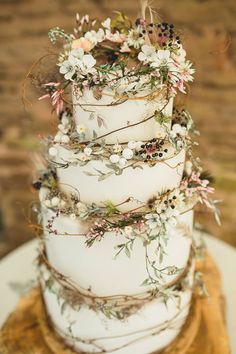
[117, 187]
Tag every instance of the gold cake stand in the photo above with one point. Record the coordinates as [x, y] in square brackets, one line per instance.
[28, 330]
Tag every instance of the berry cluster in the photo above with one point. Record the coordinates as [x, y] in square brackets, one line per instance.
[152, 150]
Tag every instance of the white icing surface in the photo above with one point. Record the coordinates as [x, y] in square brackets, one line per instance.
[95, 267]
[141, 184]
[88, 324]
[117, 116]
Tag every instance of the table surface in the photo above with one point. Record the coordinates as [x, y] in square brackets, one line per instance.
[18, 270]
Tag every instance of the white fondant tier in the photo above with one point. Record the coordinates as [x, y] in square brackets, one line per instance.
[97, 269]
[141, 184]
[141, 333]
[121, 115]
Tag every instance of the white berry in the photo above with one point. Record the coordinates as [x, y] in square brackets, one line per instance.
[114, 158]
[127, 154]
[55, 201]
[132, 144]
[52, 151]
[122, 162]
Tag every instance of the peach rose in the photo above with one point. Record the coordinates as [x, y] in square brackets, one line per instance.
[83, 43]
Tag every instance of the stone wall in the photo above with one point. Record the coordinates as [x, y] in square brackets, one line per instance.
[209, 33]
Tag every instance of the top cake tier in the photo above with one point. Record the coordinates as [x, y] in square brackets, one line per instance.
[120, 120]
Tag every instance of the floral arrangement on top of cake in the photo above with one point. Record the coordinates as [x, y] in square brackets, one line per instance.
[124, 57]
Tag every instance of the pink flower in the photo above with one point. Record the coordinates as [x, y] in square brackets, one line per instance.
[55, 95]
[57, 100]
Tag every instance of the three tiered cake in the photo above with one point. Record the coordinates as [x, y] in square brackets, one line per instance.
[118, 188]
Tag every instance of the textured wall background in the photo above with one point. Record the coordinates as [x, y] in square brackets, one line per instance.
[209, 32]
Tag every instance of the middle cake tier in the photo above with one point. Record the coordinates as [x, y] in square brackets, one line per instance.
[139, 183]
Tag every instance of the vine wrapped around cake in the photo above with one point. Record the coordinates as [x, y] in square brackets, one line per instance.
[117, 184]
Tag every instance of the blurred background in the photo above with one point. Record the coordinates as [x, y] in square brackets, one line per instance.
[209, 32]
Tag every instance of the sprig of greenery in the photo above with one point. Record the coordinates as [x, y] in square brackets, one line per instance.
[58, 32]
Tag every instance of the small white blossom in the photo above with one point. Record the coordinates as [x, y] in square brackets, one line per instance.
[82, 157]
[107, 23]
[147, 54]
[134, 39]
[188, 167]
[88, 151]
[153, 221]
[80, 128]
[81, 207]
[95, 37]
[47, 203]
[161, 58]
[64, 129]
[117, 148]
[69, 67]
[72, 216]
[177, 129]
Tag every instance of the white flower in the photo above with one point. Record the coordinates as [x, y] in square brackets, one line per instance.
[81, 207]
[128, 230]
[95, 37]
[65, 139]
[69, 67]
[188, 167]
[134, 39]
[161, 58]
[132, 144]
[47, 203]
[177, 129]
[80, 128]
[72, 216]
[88, 151]
[65, 120]
[127, 153]
[53, 151]
[79, 63]
[107, 23]
[63, 129]
[77, 53]
[55, 201]
[114, 158]
[86, 65]
[147, 54]
[57, 137]
[116, 37]
[172, 222]
[161, 133]
[153, 220]
[82, 157]
[122, 162]
[186, 71]
[62, 203]
[179, 57]
[117, 148]
[125, 48]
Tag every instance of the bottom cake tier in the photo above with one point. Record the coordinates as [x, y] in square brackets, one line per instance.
[29, 329]
[151, 328]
